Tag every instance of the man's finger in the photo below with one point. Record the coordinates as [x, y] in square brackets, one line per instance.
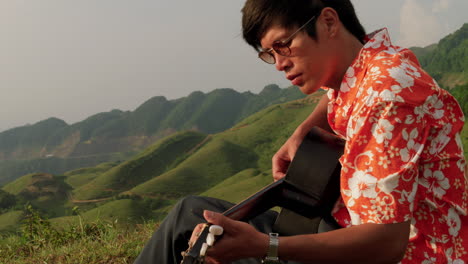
[278, 175]
[280, 167]
[195, 234]
[217, 219]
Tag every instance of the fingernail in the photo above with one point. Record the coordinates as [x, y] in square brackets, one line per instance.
[208, 214]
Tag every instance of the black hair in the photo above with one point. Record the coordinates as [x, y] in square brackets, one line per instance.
[259, 15]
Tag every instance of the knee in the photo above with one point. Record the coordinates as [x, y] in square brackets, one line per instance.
[191, 204]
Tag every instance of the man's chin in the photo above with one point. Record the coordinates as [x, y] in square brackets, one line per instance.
[307, 89]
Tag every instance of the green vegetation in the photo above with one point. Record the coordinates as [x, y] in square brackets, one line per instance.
[448, 60]
[150, 163]
[235, 152]
[200, 171]
[55, 147]
[460, 92]
[12, 169]
[79, 177]
[464, 136]
[43, 190]
[84, 242]
[9, 221]
[120, 211]
[240, 186]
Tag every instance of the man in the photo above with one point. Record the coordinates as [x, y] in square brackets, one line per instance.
[403, 190]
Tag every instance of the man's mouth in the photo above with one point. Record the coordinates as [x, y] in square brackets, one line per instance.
[294, 78]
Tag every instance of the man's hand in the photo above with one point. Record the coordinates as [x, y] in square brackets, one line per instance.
[240, 240]
[284, 156]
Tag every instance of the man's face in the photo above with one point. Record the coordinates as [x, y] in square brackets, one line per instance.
[310, 64]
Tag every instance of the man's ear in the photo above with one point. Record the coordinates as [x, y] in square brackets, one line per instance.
[331, 21]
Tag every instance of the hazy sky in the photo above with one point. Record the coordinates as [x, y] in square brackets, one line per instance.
[71, 59]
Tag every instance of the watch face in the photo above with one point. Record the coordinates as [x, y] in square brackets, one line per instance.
[266, 261]
[271, 261]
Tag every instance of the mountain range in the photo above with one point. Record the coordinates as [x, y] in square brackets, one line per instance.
[54, 146]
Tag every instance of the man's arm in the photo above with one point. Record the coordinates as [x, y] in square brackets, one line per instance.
[366, 243]
[284, 156]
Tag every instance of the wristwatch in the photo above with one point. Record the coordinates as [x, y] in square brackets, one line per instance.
[272, 254]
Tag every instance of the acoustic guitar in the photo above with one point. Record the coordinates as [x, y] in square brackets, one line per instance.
[306, 194]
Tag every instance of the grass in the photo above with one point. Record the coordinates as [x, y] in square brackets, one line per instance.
[121, 211]
[240, 186]
[21, 183]
[80, 177]
[464, 136]
[150, 163]
[200, 171]
[249, 145]
[9, 220]
[108, 244]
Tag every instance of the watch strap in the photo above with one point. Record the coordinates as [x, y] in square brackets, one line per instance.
[272, 253]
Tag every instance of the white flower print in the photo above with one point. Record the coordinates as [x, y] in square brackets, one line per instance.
[435, 181]
[362, 184]
[409, 120]
[378, 38]
[432, 106]
[429, 260]
[354, 127]
[409, 196]
[389, 183]
[459, 142]
[404, 74]
[413, 230]
[441, 140]
[412, 148]
[396, 88]
[454, 222]
[355, 217]
[349, 81]
[371, 97]
[401, 77]
[382, 130]
[411, 70]
[461, 164]
[374, 73]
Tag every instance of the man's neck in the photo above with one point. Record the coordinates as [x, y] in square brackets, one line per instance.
[350, 49]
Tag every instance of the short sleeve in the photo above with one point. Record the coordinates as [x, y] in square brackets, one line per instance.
[380, 164]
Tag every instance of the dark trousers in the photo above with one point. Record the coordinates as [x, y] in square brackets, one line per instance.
[172, 236]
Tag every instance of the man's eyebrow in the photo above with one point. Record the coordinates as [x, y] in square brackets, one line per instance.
[280, 37]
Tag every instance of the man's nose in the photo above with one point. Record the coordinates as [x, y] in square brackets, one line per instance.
[282, 62]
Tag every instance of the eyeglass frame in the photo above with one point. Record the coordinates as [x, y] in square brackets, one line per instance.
[284, 44]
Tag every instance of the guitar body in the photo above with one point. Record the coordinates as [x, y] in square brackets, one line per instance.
[316, 170]
[306, 194]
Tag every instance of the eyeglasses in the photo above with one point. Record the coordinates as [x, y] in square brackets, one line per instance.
[280, 47]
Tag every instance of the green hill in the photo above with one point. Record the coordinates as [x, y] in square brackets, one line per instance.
[214, 162]
[54, 147]
[43, 190]
[9, 220]
[246, 147]
[12, 169]
[150, 163]
[124, 211]
[447, 60]
[79, 177]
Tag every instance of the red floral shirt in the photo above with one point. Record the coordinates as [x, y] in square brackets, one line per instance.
[403, 159]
